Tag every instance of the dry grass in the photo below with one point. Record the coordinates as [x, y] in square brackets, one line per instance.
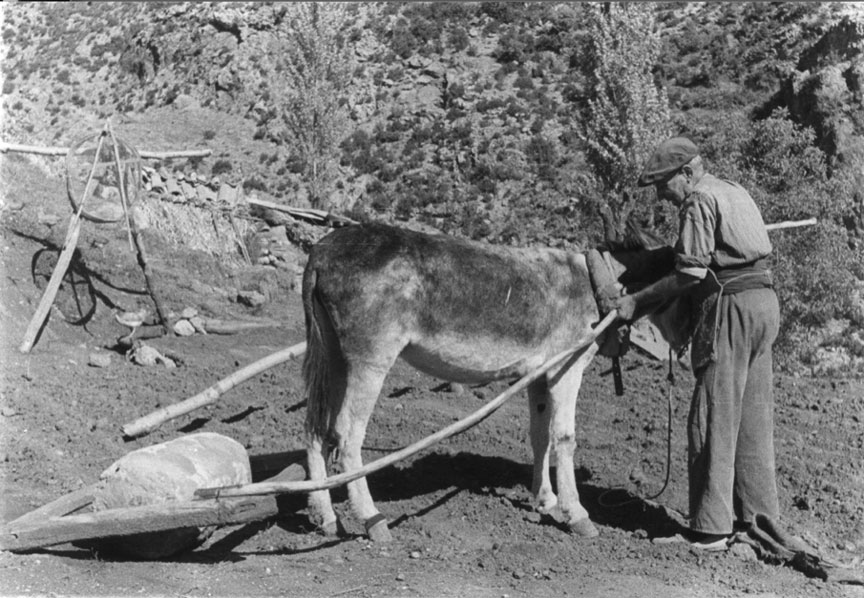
[193, 227]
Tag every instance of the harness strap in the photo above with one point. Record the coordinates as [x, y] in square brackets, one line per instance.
[606, 288]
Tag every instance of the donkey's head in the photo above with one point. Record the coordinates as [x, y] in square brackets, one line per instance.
[638, 257]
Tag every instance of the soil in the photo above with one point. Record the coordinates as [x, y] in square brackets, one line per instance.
[460, 512]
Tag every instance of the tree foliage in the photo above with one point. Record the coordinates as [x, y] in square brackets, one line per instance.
[624, 114]
[314, 66]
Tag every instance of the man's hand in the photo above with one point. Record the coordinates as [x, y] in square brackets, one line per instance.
[626, 306]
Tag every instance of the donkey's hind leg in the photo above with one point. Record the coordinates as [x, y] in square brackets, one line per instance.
[320, 506]
[364, 384]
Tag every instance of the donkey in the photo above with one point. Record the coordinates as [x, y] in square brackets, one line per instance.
[459, 310]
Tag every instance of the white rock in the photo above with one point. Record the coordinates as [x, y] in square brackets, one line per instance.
[145, 355]
[169, 472]
[99, 360]
[198, 324]
[183, 328]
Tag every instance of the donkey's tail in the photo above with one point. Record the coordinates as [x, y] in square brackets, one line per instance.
[323, 366]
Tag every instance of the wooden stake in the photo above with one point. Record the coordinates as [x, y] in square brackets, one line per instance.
[63, 262]
[149, 422]
[134, 236]
[574, 357]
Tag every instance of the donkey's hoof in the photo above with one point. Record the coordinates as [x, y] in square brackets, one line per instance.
[377, 530]
[330, 528]
[583, 528]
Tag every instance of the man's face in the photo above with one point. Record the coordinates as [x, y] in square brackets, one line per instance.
[674, 189]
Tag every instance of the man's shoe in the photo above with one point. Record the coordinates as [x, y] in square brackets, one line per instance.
[698, 540]
[708, 542]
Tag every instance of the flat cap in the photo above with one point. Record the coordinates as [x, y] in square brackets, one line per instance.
[669, 156]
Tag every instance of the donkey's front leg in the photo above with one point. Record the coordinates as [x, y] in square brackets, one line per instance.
[540, 410]
[564, 390]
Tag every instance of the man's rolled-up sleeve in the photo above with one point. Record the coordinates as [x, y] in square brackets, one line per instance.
[695, 246]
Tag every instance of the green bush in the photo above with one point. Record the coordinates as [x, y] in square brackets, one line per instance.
[775, 160]
[221, 167]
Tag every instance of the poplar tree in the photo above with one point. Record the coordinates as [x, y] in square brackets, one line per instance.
[624, 114]
[314, 67]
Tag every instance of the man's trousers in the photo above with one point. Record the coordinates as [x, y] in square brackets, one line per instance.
[731, 421]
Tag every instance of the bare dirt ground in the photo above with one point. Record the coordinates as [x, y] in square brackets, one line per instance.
[460, 513]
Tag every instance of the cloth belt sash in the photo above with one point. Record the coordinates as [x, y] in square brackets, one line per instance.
[706, 300]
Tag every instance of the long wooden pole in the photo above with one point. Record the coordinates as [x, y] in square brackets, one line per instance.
[791, 224]
[579, 356]
[149, 422]
[135, 238]
[320, 215]
[60, 151]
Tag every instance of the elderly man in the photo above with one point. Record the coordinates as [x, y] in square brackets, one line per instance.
[721, 264]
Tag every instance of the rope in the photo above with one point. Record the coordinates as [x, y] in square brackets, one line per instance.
[670, 379]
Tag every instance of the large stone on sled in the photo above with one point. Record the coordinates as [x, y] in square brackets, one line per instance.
[168, 472]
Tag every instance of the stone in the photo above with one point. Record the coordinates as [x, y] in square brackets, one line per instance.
[169, 472]
[743, 551]
[251, 298]
[99, 359]
[198, 324]
[188, 313]
[148, 356]
[183, 328]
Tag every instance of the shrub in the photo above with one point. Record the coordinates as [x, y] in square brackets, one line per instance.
[783, 153]
[524, 82]
[485, 105]
[254, 183]
[221, 167]
[814, 270]
[458, 39]
[542, 154]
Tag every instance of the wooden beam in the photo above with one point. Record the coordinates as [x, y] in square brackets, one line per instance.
[65, 505]
[312, 214]
[112, 523]
[52, 524]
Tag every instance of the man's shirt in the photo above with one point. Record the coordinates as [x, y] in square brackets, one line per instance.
[720, 227]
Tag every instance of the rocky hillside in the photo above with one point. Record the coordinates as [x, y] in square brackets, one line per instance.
[466, 116]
